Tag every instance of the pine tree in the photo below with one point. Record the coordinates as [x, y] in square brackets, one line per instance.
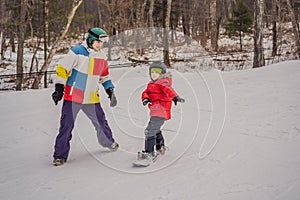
[241, 23]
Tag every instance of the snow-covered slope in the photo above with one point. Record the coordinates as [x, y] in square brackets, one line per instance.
[236, 137]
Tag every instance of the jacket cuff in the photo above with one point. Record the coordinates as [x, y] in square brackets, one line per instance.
[108, 84]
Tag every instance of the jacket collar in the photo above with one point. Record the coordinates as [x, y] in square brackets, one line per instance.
[163, 76]
[92, 52]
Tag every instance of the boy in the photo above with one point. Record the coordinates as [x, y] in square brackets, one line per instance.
[158, 95]
[79, 75]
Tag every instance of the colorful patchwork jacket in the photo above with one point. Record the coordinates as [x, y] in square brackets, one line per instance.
[81, 71]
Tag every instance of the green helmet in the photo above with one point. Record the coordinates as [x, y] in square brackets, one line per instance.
[159, 65]
[95, 34]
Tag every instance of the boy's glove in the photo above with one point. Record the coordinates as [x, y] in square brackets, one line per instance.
[146, 101]
[178, 99]
[111, 96]
[58, 94]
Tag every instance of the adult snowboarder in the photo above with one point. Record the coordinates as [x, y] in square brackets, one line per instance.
[78, 76]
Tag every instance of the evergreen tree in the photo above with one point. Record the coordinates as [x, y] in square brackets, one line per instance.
[241, 23]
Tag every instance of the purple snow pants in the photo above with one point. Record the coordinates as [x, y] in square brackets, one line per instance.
[69, 113]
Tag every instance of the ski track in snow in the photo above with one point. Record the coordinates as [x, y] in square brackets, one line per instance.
[255, 155]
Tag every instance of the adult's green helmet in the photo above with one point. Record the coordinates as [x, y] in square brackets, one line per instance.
[95, 34]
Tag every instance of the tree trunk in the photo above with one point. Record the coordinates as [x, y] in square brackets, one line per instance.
[12, 42]
[110, 43]
[46, 26]
[110, 29]
[214, 28]
[166, 34]
[35, 41]
[85, 25]
[137, 31]
[21, 38]
[186, 20]
[2, 44]
[3, 19]
[258, 59]
[99, 13]
[150, 13]
[203, 24]
[231, 7]
[151, 22]
[76, 4]
[34, 58]
[295, 26]
[241, 41]
[274, 26]
[143, 9]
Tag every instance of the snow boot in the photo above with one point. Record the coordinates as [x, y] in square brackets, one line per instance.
[147, 157]
[144, 159]
[162, 150]
[114, 146]
[160, 141]
[58, 161]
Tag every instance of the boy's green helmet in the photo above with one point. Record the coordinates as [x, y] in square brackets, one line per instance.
[159, 65]
[95, 34]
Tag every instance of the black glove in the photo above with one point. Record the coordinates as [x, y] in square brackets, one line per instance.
[178, 99]
[111, 96]
[146, 101]
[58, 94]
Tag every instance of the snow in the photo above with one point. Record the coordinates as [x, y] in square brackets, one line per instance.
[236, 137]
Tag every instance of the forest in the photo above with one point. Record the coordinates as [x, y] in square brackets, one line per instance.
[50, 26]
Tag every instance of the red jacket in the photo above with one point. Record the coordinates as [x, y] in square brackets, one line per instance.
[160, 93]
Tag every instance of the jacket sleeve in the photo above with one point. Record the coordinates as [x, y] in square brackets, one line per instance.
[105, 78]
[64, 67]
[168, 90]
[145, 94]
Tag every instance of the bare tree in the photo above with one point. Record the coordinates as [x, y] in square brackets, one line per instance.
[151, 22]
[214, 28]
[258, 59]
[295, 26]
[46, 28]
[230, 4]
[203, 23]
[150, 13]
[166, 34]
[138, 24]
[3, 19]
[186, 19]
[21, 38]
[99, 12]
[275, 18]
[75, 5]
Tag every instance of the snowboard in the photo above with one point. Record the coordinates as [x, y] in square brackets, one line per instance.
[145, 162]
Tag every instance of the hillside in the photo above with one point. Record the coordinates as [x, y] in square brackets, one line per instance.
[236, 137]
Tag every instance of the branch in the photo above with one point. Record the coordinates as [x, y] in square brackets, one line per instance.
[75, 5]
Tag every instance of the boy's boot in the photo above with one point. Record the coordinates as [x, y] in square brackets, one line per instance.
[160, 143]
